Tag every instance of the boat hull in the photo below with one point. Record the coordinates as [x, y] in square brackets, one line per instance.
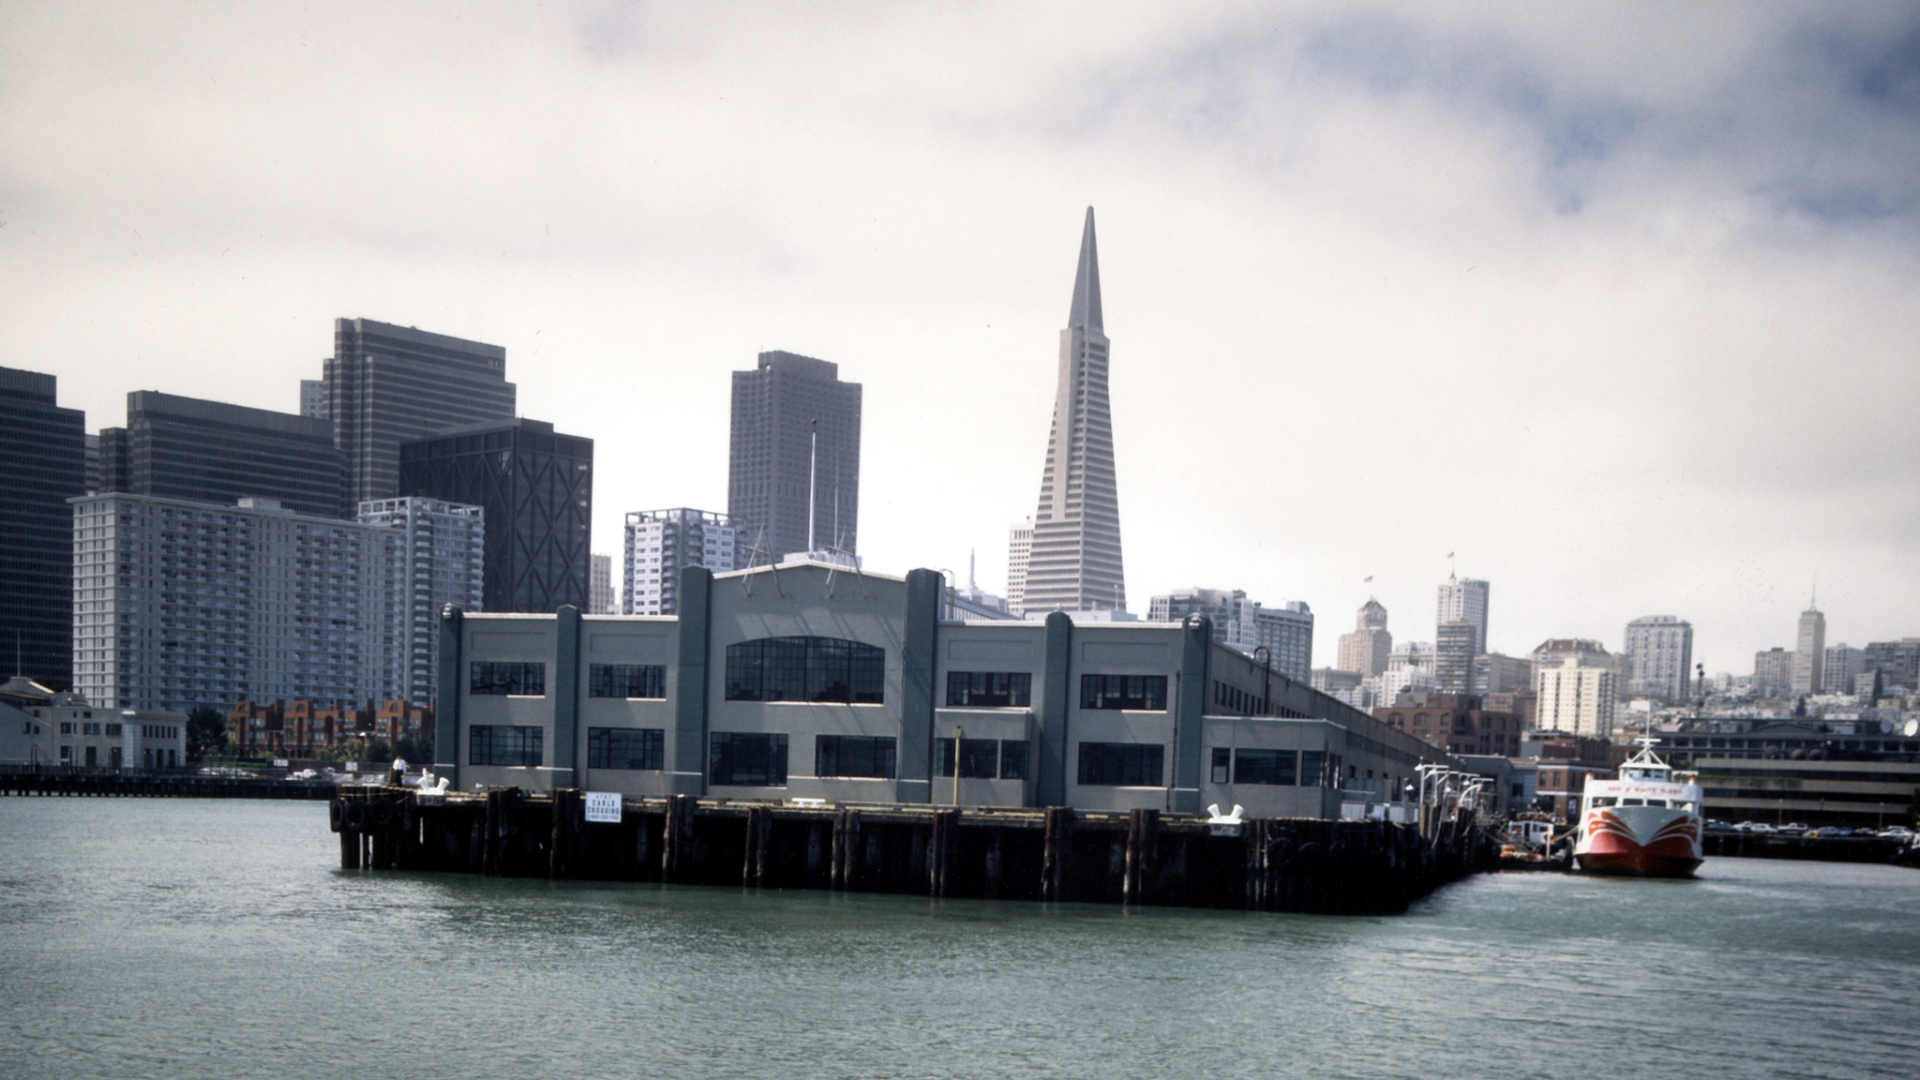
[1640, 841]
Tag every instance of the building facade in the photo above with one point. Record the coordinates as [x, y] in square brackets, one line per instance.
[1772, 671]
[1898, 662]
[848, 687]
[1494, 673]
[1285, 630]
[1840, 667]
[1465, 600]
[1453, 653]
[1575, 699]
[1019, 550]
[1809, 652]
[387, 384]
[43, 456]
[1075, 563]
[662, 543]
[536, 487]
[1660, 653]
[180, 603]
[1456, 723]
[42, 728]
[600, 587]
[442, 561]
[1366, 649]
[793, 473]
[208, 451]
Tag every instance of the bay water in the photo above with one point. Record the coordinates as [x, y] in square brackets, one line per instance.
[184, 938]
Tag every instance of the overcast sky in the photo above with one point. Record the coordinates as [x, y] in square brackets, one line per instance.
[1619, 303]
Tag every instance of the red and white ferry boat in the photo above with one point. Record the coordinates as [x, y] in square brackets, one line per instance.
[1646, 822]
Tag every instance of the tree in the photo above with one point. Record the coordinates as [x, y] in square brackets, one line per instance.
[206, 732]
[417, 749]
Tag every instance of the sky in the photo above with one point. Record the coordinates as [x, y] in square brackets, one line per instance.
[1618, 304]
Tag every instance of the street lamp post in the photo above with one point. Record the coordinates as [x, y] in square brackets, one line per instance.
[1265, 656]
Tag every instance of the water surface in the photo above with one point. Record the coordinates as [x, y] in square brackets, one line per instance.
[183, 938]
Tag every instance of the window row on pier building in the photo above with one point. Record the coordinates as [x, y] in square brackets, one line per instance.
[814, 681]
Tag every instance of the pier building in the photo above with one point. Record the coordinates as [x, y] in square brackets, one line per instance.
[809, 680]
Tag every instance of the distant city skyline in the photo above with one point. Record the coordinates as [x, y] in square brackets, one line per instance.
[1322, 250]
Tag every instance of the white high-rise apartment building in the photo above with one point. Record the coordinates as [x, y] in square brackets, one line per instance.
[1838, 668]
[1412, 654]
[179, 603]
[443, 558]
[1575, 699]
[1019, 550]
[1286, 630]
[1465, 600]
[1809, 652]
[660, 543]
[1660, 652]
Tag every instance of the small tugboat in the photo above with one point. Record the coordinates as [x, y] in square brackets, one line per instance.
[1647, 822]
[1528, 844]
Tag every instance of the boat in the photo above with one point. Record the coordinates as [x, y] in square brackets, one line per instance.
[1528, 843]
[1645, 822]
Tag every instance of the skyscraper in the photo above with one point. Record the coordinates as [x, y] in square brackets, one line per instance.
[1809, 652]
[1286, 631]
[1075, 563]
[1367, 648]
[43, 458]
[536, 486]
[778, 408]
[385, 384]
[210, 451]
[1661, 652]
[1465, 600]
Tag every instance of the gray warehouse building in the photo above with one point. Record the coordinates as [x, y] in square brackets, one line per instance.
[808, 680]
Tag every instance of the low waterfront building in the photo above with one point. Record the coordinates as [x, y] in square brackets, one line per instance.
[1566, 761]
[817, 681]
[41, 728]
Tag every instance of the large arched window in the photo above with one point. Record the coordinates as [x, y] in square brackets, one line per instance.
[806, 669]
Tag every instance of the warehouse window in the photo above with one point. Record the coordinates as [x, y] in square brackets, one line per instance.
[503, 677]
[748, 759]
[979, 758]
[626, 680]
[811, 669]
[1122, 764]
[499, 744]
[989, 689]
[1123, 692]
[853, 755]
[1264, 767]
[626, 748]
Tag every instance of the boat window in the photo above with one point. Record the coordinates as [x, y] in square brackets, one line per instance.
[1633, 802]
[1691, 808]
[1603, 800]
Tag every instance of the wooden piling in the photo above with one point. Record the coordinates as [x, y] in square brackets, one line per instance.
[753, 871]
[846, 850]
[676, 841]
[1143, 844]
[946, 823]
[1056, 853]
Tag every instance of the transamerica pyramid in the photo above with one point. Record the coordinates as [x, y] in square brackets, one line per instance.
[1075, 559]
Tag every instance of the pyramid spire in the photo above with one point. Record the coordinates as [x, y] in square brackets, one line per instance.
[1086, 284]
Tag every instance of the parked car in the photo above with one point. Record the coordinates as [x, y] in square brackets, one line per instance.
[1900, 832]
[1720, 826]
[1830, 832]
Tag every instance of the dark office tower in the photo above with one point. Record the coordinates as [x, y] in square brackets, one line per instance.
[775, 407]
[386, 384]
[209, 451]
[1075, 562]
[537, 489]
[43, 457]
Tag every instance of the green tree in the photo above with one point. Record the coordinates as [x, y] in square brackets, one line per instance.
[206, 732]
[417, 749]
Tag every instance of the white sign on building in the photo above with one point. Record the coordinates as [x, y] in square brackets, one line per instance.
[603, 806]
